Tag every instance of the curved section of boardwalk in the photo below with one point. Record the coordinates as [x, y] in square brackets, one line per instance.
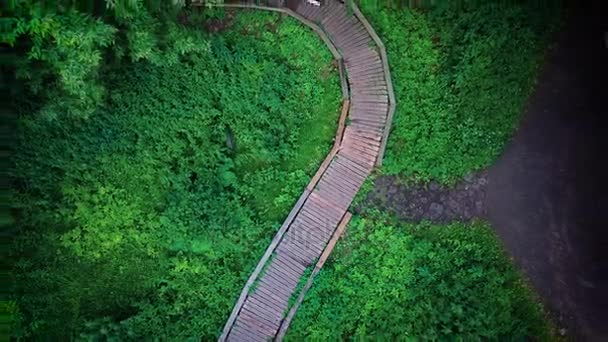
[259, 313]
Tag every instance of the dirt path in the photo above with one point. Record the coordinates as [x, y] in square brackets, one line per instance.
[547, 196]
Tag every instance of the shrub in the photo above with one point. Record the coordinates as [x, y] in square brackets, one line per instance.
[394, 281]
[462, 73]
[145, 219]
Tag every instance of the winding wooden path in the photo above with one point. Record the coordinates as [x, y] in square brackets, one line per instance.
[315, 223]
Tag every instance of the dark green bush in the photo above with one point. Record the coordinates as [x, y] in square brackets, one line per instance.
[145, 219]
[462, 73]
[392, 281]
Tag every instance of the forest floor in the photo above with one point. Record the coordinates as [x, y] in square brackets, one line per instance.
[545, 196]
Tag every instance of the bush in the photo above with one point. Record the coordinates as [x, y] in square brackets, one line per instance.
[462, 73]
[393, 281]
[145, 219]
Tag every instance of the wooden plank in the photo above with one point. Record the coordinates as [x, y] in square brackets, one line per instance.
[327, 13]
[323, 210]
[275, 268]
[337, 23]
[339, 198]
[364, 69]
[322, 217]
[333, 194]
[308, 242]
[372, 98]
[378, 90]
[271, 286]
[240, 335]
[250, 322]
[346, 192]
[370, 121]
[336, 208]
[288, 264]
[323, 222]
[354, 157]
[345, 189]
[360, 126]
[347, 163]
[266, 286]
[354, 177]
[278, 279]
[353, 26]
[311, 228]
[269, 313]
[379, 108]
[329, 209]
[362, 152]
[372, 60]
[365, 80]
[387, 73]
[341, 175]
[362, 139]
[366, 73]
[347, 49]
[306, 258]
[365, 150]
[355, 47]
[320, 263]
[270, 295]
[369, 84]
[355, 170]
[367, 135]
[363, 53]
[349, 35]
[244, 334]
[369, 111]
[256, 322]
[318, 232]
[264, 311]
[287, 260]
[366, 117]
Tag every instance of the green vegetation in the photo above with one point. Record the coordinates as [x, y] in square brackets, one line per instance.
[152, 162]
[142, 215]
[393, 281]
[462, 73]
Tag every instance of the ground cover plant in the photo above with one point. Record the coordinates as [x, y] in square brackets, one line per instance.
[393, 281]
[143, 215]
[462, 73]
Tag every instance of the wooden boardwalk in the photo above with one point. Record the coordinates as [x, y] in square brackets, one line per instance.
[260, 312]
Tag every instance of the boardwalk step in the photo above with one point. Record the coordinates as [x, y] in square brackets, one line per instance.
[321, 208]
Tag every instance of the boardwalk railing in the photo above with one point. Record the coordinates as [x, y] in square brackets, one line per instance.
[387, 76]
[321, 211]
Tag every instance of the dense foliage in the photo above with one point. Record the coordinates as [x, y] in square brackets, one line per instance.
[462, 73]
[392, 281]
[145, 218]
[58, 47]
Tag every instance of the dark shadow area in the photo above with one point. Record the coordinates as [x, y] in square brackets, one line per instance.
[547, 195]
